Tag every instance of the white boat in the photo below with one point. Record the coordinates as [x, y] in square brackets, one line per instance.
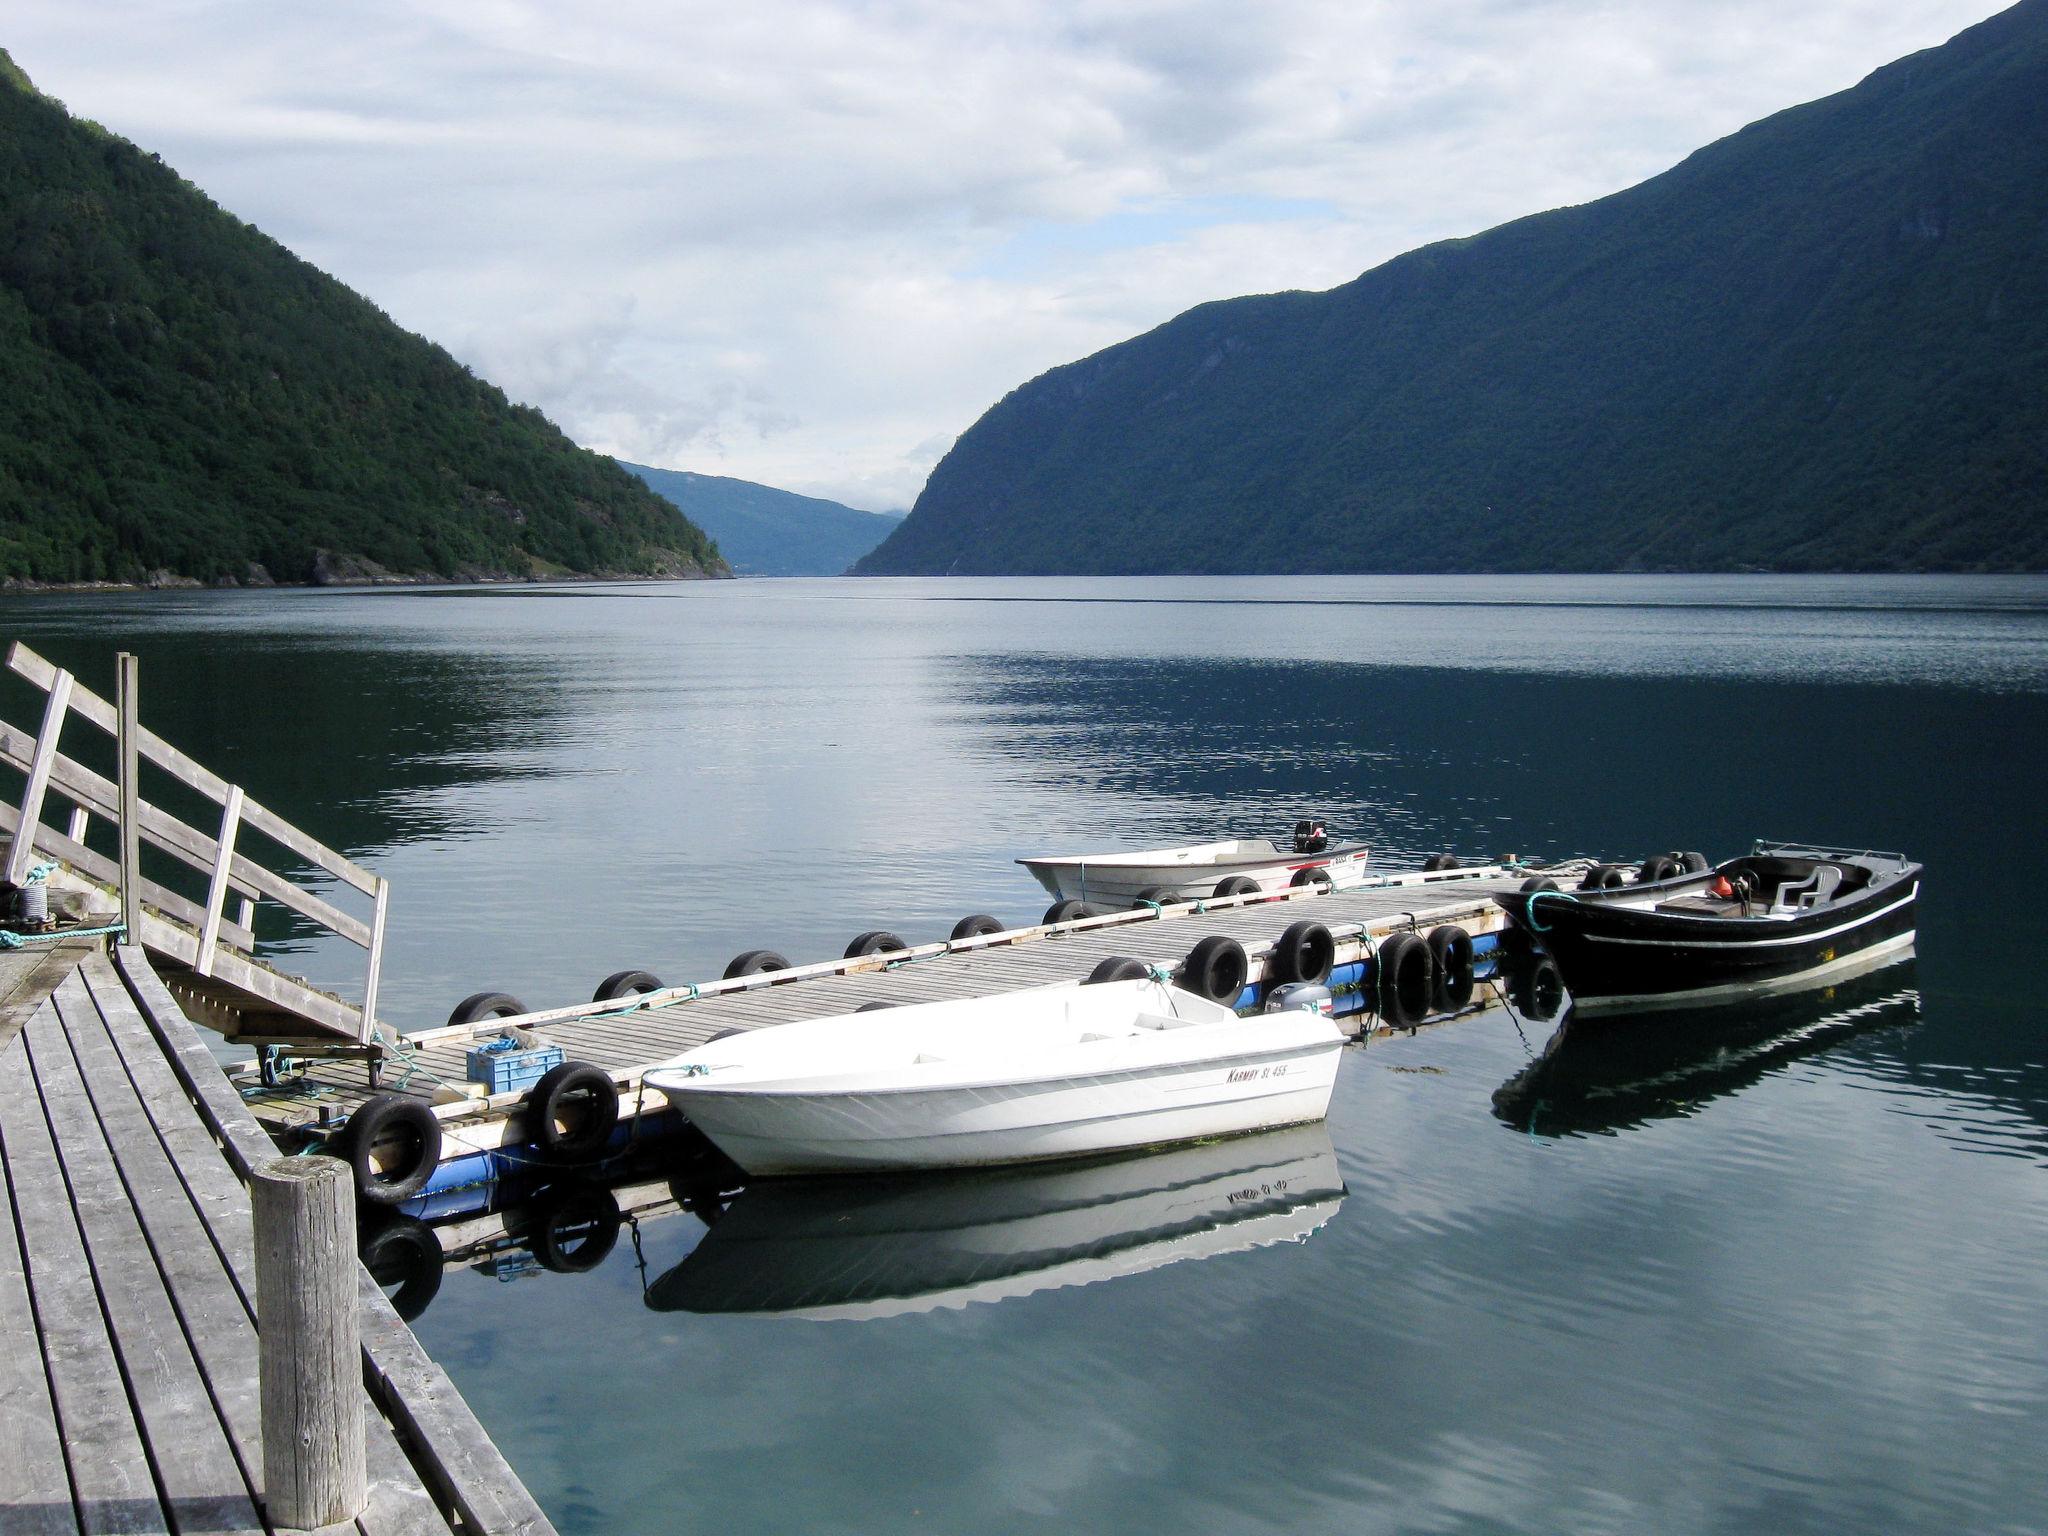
[1062, 1071]
[1199, 870]
[886, 1247]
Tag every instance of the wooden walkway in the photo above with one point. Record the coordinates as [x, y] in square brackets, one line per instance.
[128, 1259]
[625, 1039]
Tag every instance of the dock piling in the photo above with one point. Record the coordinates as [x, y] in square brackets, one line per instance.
[309, 1344]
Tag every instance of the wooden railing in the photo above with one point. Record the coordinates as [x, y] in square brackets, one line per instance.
[205, 936]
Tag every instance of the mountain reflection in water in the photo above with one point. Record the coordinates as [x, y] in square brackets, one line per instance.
[1602, 1073]
[874, 1248]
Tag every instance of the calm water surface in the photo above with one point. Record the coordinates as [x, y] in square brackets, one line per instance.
[1787, 1275]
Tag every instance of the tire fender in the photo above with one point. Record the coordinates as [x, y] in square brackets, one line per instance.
[393, 1143]
[571, 1111]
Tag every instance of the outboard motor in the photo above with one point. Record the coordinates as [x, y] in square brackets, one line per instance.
[1310, 837]
[1303, 996]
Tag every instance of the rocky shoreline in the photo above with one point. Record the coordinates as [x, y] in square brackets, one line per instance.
[332, 570]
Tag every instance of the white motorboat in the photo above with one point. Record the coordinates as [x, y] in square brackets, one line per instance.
[1237, 866]
[885, 1247]
[1062, 1071]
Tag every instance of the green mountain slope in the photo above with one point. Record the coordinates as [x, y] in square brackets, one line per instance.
[179, 392]
[1820, 343]
[766, 532]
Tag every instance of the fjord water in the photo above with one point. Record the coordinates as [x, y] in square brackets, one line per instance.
[1788, 1275]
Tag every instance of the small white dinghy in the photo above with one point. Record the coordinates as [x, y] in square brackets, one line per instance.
[1237, 866]
[1061, 1071]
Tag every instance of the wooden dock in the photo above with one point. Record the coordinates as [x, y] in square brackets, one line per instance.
[627, 1038]
[128, 1258]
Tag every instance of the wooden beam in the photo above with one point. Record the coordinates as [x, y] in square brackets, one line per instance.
[127, 731]
[22, 855]
[217, 888]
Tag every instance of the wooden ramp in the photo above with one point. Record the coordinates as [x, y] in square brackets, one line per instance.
[197, 906]
[127, 1292]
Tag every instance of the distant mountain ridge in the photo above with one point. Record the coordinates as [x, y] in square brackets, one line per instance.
[1820, 343]
[762, 531]
[181, 398]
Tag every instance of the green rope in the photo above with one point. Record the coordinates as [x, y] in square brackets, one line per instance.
[19, 940]
[1542, 927]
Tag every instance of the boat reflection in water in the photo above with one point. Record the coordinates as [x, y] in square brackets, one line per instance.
[883, 1247]
[1604, 1073]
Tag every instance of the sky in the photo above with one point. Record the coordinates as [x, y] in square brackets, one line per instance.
[810, 243]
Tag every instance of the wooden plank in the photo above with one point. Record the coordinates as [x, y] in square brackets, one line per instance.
[194, 775]
[217, 886]
[374, 968]
[414, 1392]
[55, 708]
[197, 1473]
[399, 1503]
[29, 975]
[109, 1470]
[35, 1491]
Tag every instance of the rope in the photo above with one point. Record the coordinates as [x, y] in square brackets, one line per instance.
[40, 873]
[1541, 927]
[10, 940]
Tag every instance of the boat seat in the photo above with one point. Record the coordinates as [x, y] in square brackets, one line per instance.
[1797, 895]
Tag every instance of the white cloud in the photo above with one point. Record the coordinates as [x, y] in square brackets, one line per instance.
[808, 243]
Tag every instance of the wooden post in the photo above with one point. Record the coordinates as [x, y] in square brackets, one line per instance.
[308, 1343]
[128, 682]
[22, 856]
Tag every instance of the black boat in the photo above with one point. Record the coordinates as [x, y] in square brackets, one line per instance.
[1784, 913]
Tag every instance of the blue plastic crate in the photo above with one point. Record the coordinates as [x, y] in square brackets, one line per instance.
[502, 1064]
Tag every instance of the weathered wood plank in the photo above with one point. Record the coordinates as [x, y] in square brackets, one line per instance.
[218, 1208]
[196, 1469]
[103, 1450]
[35, 1492]
[41, 758]
[414, 1391]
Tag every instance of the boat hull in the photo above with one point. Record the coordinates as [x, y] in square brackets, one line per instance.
[1112, 882]
[773, 1133]
[1614, 957]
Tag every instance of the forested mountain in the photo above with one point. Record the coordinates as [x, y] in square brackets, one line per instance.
[765, 532]
[179, 393]
[1820, 343]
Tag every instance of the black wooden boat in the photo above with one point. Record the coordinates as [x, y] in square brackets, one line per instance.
[1782, 912]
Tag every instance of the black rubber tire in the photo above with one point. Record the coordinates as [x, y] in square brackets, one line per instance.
[1066, 910]
[1216, 968]
[572, 1228]
[1538, 883]
[874, 1007]
[725, 1034]
[478, 1006]
[1313, 874]
[1658, 866]
[1118, 968]
[378, 1123]
[1436, 863]
[1303, 952]
[626, 984]
[755, 962]
[1602, 877]
[978, 926]
[876, 941]
[1236, 885]
[591, 1099]
[404, 1257]
[1545, 990]
[1156, 895]
[1404, 976]
[1694, 863]
[1450, 949]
